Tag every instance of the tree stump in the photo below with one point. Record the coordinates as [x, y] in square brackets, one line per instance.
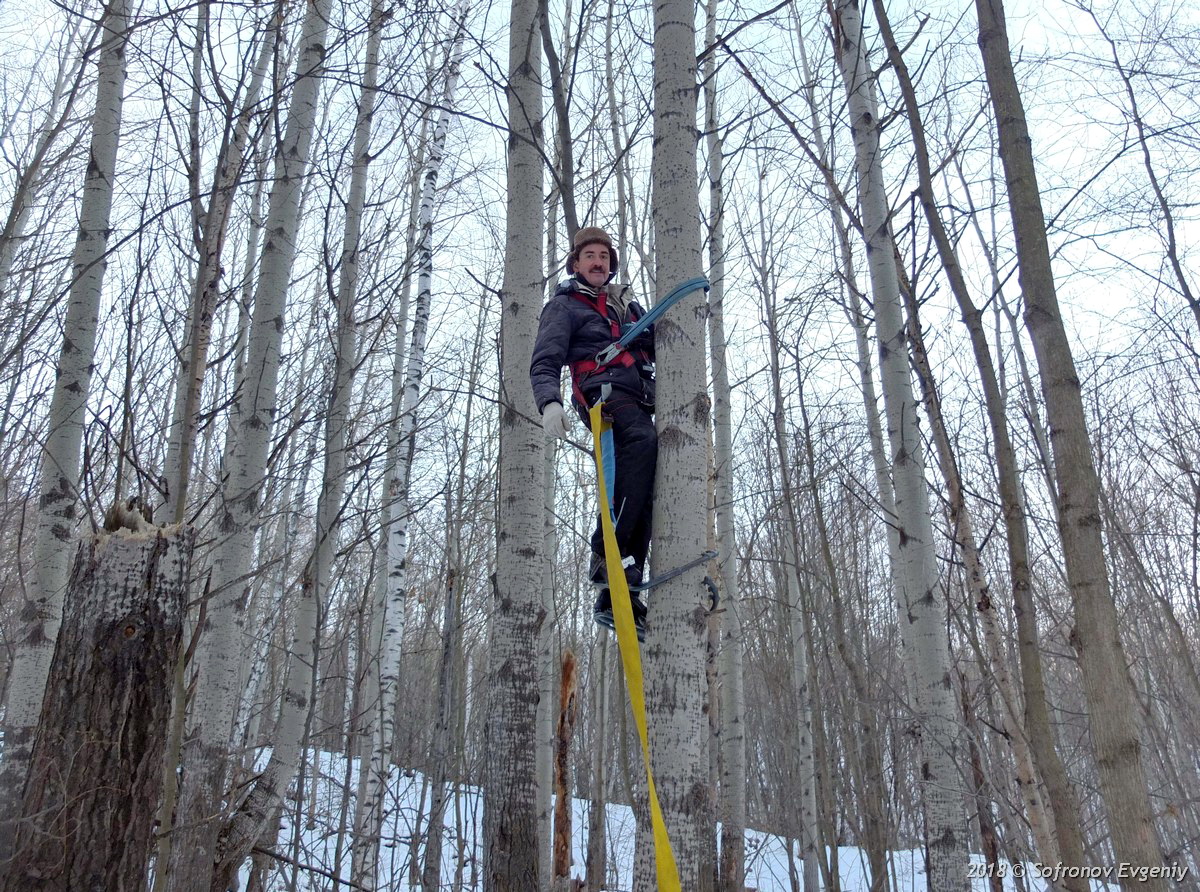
[96, 769]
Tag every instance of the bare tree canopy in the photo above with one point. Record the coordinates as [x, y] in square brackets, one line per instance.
[270, 278]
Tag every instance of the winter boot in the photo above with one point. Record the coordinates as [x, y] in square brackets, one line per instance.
[598, 570]
[602, 612]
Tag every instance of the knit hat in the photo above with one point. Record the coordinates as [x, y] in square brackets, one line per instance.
[592, 235]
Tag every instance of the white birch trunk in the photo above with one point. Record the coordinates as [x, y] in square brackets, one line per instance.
[858, 321]
[922, 599]
[510, 828]
[962, 529]
[41, 611]
[875, 829]
[388, 612]
[178, 716]
[850, 652]
[1060, 797]
[261, 805]
[1053, 817]
[398, 506]
[677, 626]
[205, 754]
[547, 663]
[449, 743]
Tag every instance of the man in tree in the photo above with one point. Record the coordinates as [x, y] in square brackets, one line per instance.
[586, 315]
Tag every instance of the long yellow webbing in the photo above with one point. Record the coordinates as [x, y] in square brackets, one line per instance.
[631, 661]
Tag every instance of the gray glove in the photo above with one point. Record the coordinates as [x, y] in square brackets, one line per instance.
[554, 421]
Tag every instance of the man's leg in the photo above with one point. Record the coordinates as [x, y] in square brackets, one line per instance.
[635, 443]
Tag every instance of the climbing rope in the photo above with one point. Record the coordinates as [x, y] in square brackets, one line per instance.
[678, 293]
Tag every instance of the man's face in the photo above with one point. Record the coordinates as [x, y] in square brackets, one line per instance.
[593, 265]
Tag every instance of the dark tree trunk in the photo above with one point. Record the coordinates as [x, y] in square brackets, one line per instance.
[96, 769]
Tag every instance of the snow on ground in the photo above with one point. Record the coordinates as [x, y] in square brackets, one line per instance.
[321, 843]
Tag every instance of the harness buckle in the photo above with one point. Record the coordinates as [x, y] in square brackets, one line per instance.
[608, 354]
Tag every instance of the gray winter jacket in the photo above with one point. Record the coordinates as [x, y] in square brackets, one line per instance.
[572, 331]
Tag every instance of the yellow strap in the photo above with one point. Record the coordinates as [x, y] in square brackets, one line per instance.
[631, 661]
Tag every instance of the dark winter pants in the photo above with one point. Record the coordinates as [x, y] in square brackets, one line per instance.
[635, 444]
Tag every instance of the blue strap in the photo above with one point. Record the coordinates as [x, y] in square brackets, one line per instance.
[678, 293]
[609, 460]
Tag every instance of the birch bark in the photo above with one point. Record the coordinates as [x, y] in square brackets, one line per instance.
[510, 825]
[1060, 795]
[449, 743]
[963, 531]
[922, 601]
[260, 807]
[207, 282]
[389, 614]
[205, 761]
[398, 506]
[547, 657]
[41, 612]
[1113, 712]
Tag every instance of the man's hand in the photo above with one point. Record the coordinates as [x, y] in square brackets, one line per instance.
[554, 421]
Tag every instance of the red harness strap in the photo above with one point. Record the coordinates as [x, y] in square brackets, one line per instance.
[581, 369]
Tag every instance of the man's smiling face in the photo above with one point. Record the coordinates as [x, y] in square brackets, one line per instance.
[594, 264]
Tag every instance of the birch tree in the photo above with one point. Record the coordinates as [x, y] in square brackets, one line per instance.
[213, 223]
[389, 610]
[259, 807]
[58, 495]
[731, 804]
[399, 507]
[1031, 735]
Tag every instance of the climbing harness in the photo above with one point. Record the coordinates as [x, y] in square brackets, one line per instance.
[582, 369]
[678, 293]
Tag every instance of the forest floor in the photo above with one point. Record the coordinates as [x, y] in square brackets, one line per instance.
[323, 841]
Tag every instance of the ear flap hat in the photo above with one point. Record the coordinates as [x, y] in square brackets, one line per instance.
[592, 235]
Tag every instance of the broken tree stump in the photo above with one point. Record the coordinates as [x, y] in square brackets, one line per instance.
[96, 769]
